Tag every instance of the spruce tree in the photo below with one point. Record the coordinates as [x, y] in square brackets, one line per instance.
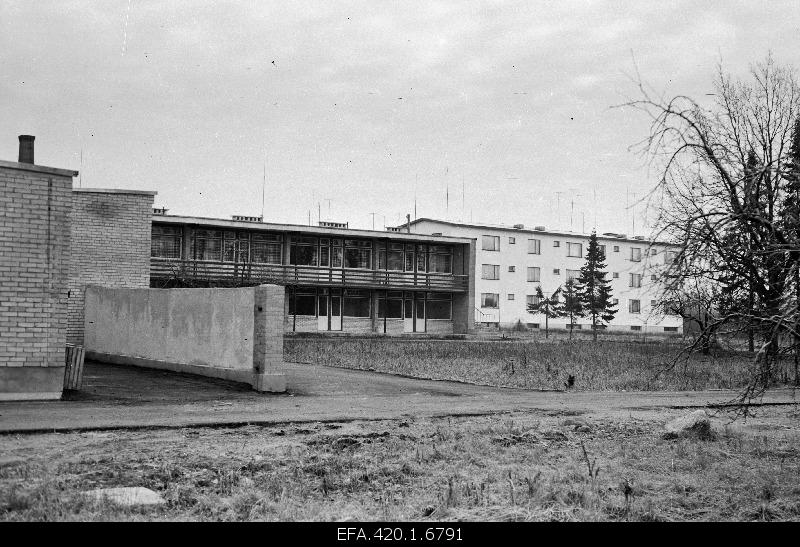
[573, 306]
[594, 292]
[549, 306]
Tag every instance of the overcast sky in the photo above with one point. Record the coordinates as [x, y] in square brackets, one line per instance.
[366, 104]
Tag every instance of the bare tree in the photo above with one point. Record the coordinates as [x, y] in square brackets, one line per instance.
[725, 169]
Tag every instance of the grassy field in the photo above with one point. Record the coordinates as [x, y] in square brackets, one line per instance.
[605, 365]
[513, 467]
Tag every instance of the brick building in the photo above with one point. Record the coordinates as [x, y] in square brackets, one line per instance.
[110, 233]
[34, 263]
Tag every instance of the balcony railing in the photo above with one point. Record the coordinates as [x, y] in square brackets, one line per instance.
[247, 273]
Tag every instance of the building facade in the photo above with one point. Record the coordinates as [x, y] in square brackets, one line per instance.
[337, 279]
[34, 259]
[511, 262]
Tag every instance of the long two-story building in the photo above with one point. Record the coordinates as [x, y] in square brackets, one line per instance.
[513, 261]
[337, 279]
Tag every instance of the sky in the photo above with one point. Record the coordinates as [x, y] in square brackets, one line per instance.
[485, 112]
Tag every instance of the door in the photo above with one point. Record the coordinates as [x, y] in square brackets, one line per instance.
[329, 310]
[414, 312]
[408, 313]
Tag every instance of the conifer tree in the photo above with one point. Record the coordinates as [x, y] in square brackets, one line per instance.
[594, 292]
[573, 306]
[549, 306]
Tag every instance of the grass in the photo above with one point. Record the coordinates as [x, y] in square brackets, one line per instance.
[500, 468]
[605, 365]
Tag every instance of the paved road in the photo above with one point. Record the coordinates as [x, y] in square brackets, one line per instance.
[116, 396]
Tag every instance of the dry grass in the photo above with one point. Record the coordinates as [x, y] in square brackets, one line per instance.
[523, 467]
[605, 365]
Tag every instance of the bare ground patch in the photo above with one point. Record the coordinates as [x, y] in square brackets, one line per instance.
[527, 466]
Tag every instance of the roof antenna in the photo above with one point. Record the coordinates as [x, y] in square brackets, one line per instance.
[263, 186]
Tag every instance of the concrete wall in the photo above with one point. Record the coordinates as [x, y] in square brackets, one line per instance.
[110, 245]
[236, 334]
[34, 245]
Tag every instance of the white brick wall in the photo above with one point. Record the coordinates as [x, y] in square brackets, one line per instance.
[110, 246]
[34, 243]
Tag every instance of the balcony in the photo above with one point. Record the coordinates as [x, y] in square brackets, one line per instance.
[188, 271]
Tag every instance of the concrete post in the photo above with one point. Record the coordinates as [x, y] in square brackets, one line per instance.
[268, 372]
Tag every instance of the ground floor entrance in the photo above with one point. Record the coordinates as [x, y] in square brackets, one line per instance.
[329, 306]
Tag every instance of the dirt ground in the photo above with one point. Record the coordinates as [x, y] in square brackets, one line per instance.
[534, 465]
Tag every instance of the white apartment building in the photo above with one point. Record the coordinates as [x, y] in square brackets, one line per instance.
[511, 262]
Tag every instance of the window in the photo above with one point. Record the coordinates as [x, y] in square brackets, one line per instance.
[391, 307]
[358, 255]
[575, 249]
[491, 243]
[573, 274]
[166, 241]
[532, 325]
[208, 245]
[670, 257]
[653, 251]
[534, 246]
[439, 305]
[636, 280]
[615, 275]
[489, 300]
[440, 259]
[670, 329]
[266, 248]
[616, 248]
[636, 327]
[395, 257]
[653, 303]
[490, 271]
[556, 244]
[304, 251]
[636, 254]
[634, 306]
[235, 246]
[510, 296]
[534, 274]
[512, 240]
[575, 326]
[615, 301]
[356, 303]
[653, 277]
[512, 269]
[602, 250]
[303, 303]
[556, 271]
[532, 300]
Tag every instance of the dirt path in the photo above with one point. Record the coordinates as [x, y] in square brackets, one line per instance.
[128, 397]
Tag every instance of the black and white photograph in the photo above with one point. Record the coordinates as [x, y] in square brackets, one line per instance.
[409, 271]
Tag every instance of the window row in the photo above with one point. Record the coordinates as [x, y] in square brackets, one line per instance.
[492, 300]
[534, 273]
[492, 243]
[239, 246]
[359, 303]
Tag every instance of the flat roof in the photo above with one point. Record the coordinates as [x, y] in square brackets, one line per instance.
[534, 231]
[38, 168]
[116, 191]
[302, 228]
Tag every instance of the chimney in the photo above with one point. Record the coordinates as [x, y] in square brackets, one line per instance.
[408, 223]
[26, 148]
